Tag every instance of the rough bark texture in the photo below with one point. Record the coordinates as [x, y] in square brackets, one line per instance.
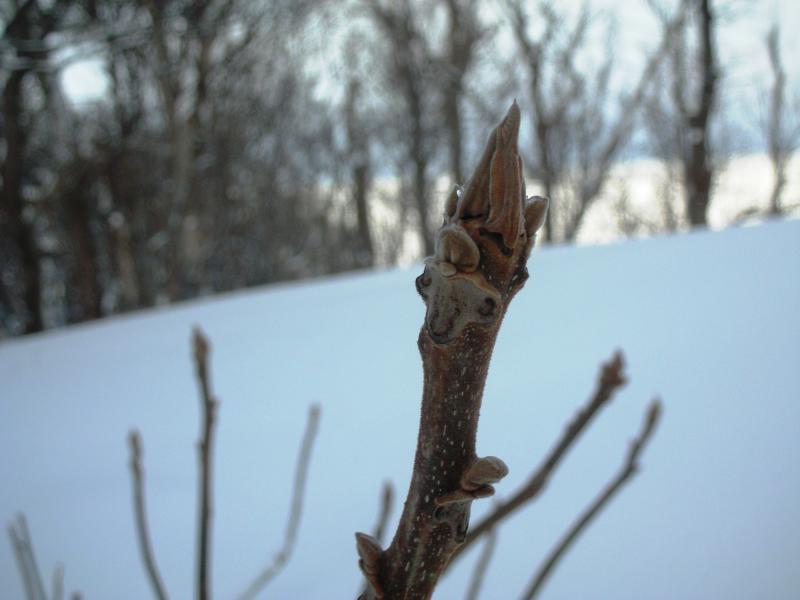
[479, 265]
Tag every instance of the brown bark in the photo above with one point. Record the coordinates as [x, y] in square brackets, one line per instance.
[478, 267]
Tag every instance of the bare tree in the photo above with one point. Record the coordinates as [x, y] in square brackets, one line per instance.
[693, 76]
[782, 136]
[24, 23]
[409, 64]
[576, 141]
[358, 153]
[465, 32]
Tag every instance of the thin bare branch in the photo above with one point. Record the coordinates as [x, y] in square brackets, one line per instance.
[387, 500]
[31, 556]
[479, 573]
[295, 512]
[58, 582]
[142, 530]
[22, 563]
[611, 379]
[209, 404]
[629, 469]
[26, 559]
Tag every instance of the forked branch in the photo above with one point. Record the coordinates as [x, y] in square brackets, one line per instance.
[32, 582]
[26, 559]
[208, 405]
[611, 378]
[293, 524]
[387, 499]
[629, 469]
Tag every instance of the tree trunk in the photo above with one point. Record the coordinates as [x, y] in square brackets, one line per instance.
[698, 169]
[84, 267]
[13, 205]
[358, 150]
[419, 159]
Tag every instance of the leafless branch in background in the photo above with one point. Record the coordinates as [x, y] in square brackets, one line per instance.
[293, 523]
[481, 566]
[387, 499]
[361, 169]
[576, 141]
[142, 530]
[58, 582]
[464, 34]
[610, 380]
[408, 78]
[26, 559]
[32, 582]
[629, 469]
[782, 137]
[692, 86]
[208, 406]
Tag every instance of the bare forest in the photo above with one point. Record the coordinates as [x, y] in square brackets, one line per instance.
[239, 143]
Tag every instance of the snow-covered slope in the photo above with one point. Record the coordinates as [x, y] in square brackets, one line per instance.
[709, 322]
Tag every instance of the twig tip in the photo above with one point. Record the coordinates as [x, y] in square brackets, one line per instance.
[200, 344]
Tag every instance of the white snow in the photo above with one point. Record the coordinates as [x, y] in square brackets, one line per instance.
[708, 321]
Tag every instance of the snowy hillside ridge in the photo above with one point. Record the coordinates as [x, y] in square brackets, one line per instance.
[744, 183]
[708, 321]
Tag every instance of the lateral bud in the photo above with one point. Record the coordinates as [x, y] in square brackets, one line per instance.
[535, 213]
[482, 472]
[477, 481]
[454, 246]
[451, 205]
[370, 554]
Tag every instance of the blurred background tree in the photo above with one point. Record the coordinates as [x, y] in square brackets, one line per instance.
[237, 143]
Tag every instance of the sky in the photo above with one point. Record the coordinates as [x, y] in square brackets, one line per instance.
[744, 24]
